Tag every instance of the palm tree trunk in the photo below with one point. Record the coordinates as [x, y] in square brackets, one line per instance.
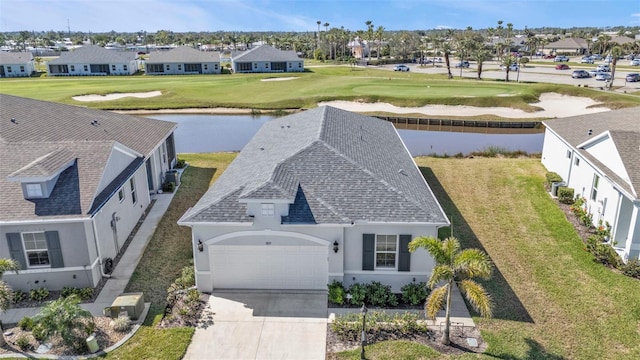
[447, 318]
[446, 59]
[507, 78]
[479, 70]
[613, 71]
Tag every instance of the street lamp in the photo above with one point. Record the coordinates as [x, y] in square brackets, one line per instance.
[364, 333]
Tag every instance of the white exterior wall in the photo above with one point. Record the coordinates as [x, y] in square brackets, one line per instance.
[114, 69]
[173, 69]
[19, 70]
[117, 162]
[554, 155]
[265, 67]
[159, 165]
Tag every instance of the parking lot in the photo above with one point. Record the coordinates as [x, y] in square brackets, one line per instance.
[534, 72]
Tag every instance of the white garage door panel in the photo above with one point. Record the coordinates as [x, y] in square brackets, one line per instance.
[269, 267]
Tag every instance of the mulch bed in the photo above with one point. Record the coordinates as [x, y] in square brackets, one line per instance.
[431, 338]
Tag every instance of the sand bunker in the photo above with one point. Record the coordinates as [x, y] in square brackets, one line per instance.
[116, 96]
[554, 105]
[280, 78]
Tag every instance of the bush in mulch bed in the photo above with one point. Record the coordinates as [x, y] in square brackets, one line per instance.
[379, 326]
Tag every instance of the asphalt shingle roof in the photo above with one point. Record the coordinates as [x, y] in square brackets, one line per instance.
[12, 58]
[93, 54]
[624, 128]
[568, 43]
[265, 53]
[183, 54]
[334, 165]
[45, 136]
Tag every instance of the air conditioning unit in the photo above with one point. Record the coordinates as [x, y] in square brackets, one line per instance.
[129, 304]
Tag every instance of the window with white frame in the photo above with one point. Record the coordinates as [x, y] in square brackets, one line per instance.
[113, 68]
[268, 209]
[577, 162]
[132, 185]
[34, 190]
[86, 68]
[568, 154]
[386, 251]
[35, 248]
[121, 194]
[21, 68]
[594, 187]
[72, 68]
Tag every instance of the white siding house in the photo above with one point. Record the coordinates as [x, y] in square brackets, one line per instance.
[598, 156]
[266, 59]
[183, 61]
[93, 60]
[16, 64]
[317, 196]
[73, 191]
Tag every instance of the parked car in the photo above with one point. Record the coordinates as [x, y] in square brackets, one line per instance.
[549, 56]
[593, 72]
[562, 67]
[512, 67]
[561, 58]
[603, 76]
[587, 60]
[596, 57]
[633, 77]
[603, 68]
[635, 62]
[401, 67]
[580, 74]
[463, 64]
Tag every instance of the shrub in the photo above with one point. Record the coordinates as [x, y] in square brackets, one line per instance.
[38, 294]
[26, 323]
[551, 178]
[358, 294]
[336, 292]
[85, 293]
[414, 293]
[68, 291]
[632, 268]
[19, 296]
[38, 333]
[65, 318]
[187, 277]
[565, 195]
[168, 187]
[380, 295]
[122, 323]
[603, 253]
[181, 163]
[348, 327]
[23, 342]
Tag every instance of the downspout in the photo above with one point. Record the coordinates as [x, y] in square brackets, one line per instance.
[96, 243]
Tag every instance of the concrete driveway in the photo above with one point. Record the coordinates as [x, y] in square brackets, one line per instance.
[262, 325]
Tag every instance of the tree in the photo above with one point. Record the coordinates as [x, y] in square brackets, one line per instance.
[65, 318]
[616, 53]
[379, 38]
[507, 61]
[369, 24]
[454, 265]
[481, 55]
[6, 294]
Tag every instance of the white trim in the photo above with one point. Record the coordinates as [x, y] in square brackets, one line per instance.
[44, 221]
[594, 140]
[268, 232]
[203, 272]
[26, 252]
[396, 253]
[380, 272]
[335, 274]
[364, 222]
[50, 270]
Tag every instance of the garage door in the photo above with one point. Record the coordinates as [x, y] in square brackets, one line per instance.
[269, 267]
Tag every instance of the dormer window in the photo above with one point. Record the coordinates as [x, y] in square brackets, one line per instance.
[34, 190]
[268, 209]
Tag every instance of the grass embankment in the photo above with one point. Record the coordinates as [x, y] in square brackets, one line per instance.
[248, 91]
[168, 251]
[551, 300]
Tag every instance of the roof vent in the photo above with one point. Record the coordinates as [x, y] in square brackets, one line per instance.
[589, 132]
[13, 120]
[401, 171]
[95, 122]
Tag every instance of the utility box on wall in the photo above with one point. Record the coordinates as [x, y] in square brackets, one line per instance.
[130, 304]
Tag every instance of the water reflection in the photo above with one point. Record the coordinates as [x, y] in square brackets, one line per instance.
[214, 133]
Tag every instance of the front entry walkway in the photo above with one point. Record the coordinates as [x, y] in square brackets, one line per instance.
[263, 325]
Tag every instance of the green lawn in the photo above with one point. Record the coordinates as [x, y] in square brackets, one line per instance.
[317, 84]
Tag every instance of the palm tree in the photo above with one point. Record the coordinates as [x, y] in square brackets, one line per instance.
[369, 24]
[455, 265]
[481, 55]
[507, 61]
[379, 38]
[446, 49]
[6, 295]
[616, 53]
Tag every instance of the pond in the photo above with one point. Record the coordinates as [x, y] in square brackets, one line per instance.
[215, 133]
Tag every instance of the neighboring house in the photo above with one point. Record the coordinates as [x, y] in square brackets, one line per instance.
[75, 182]
[317, 196]
[359, 48]
[93, 60]
[16, 64]
[265, 59]
[181, 61]
[570, 46]
[598, 155]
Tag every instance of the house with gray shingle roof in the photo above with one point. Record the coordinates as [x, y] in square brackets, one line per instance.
[568, 46]
[598, 155]
[183, 61]
[317, 196]
[92, 60]
[75, 182]
[16, 64]
[266, 59]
